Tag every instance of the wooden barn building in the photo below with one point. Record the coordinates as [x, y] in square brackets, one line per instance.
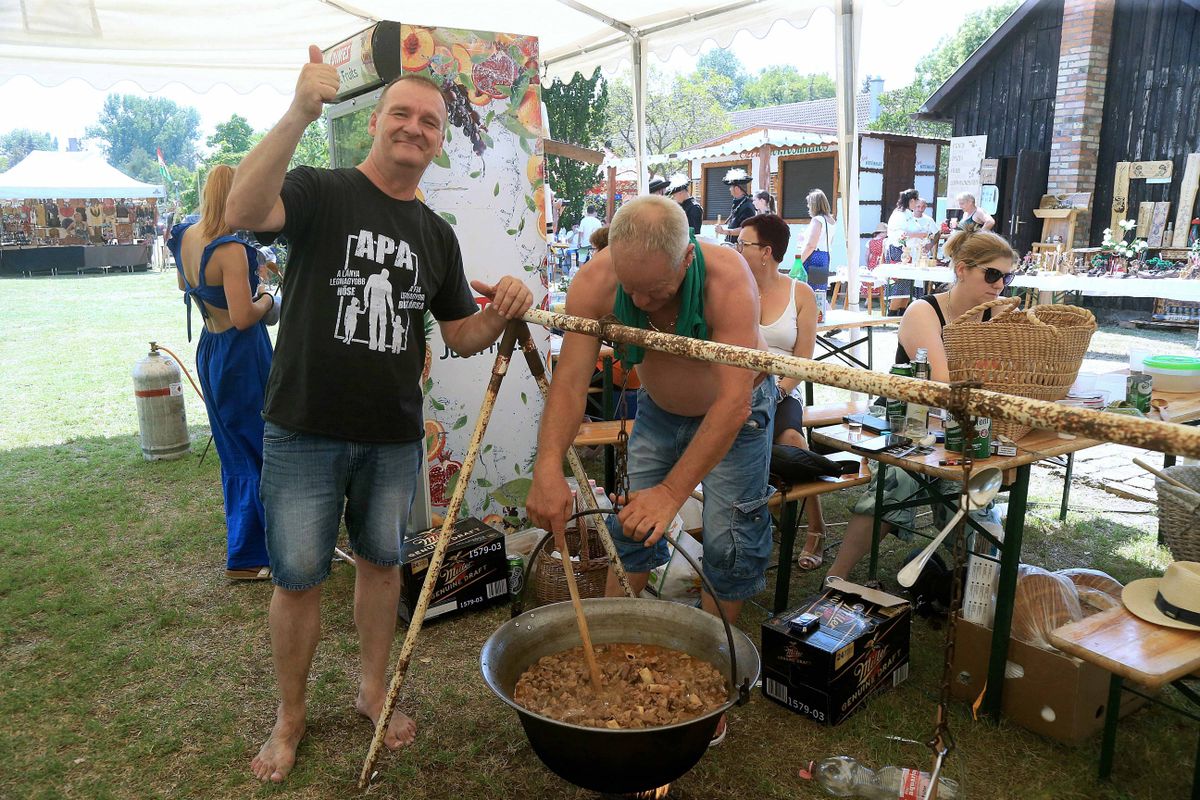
[1085, 96]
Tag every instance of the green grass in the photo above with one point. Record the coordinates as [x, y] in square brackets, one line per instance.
[130, 668]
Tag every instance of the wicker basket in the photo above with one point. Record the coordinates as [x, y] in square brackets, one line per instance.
[591, 570]
[1179, 513]
[1034, 354]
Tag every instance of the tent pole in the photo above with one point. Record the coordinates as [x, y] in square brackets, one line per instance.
[847, 30]
[639, 112]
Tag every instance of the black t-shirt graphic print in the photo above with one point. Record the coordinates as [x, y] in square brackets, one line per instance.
[363, 269]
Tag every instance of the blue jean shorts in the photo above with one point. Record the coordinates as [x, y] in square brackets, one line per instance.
[737, 524]
[309, 481]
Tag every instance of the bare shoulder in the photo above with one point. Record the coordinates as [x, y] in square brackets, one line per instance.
[919, 317]
[593, 289]
[725, 270]
[805, 294]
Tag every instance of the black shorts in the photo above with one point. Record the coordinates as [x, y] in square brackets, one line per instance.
[789, 414]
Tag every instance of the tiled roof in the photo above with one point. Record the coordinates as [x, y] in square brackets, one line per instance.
[813, 113]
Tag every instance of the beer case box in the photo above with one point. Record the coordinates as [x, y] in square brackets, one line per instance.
[1046, 692]
[859, 649]
[474, 573]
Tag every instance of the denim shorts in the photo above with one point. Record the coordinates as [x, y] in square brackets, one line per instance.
[308, 481]
[737, 524]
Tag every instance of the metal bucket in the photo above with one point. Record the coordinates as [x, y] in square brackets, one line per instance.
[617, 761]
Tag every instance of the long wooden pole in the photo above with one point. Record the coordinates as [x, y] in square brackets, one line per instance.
[1145, 433]
[499, 369]
[534, 359]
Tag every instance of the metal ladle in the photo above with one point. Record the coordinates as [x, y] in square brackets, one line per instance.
[982, 487]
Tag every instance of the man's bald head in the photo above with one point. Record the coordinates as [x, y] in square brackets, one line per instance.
[650, 224]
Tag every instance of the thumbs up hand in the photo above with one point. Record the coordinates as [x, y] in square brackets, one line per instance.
[317, 85]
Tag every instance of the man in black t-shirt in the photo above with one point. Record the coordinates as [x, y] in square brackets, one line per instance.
[344, 428]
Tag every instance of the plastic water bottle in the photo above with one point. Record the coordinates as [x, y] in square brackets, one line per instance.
[842, 776]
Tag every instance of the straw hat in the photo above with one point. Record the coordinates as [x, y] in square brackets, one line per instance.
[1172, 600]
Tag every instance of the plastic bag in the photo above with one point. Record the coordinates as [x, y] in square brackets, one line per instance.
[1098, 591]
[1044, 601]
[676, 580]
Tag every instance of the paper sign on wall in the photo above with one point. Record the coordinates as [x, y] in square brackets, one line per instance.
[966, 156]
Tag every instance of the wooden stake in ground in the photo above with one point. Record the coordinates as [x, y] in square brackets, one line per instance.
[499, 369]
[534, 359]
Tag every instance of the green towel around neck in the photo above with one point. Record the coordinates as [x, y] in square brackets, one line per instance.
[690, 322]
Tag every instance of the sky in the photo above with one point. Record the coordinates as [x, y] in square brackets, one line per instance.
[893, 39]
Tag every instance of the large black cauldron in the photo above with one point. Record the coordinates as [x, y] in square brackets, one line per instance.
[617, 761]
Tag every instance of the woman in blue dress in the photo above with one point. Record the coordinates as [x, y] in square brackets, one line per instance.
[218, 272]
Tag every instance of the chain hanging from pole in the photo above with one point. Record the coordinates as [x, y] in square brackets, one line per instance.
[941, 741]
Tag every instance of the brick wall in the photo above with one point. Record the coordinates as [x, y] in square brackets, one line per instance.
[1079, 103]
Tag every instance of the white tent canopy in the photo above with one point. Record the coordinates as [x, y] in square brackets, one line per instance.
[247, 44]
[70, 175]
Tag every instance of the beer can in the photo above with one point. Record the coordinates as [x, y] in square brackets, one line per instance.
[516, 583]
[981, 438]
[1145, 388]
[896, 407]
[954, 433]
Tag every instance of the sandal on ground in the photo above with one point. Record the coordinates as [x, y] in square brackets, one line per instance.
[249, 574]
[812, 555]
[719, 733]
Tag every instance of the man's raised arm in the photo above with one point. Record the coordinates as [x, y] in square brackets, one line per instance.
[254, 202]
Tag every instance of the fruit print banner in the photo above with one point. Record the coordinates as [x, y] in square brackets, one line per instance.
[488, 184]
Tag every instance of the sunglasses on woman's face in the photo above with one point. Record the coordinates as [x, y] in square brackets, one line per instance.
[991, 275]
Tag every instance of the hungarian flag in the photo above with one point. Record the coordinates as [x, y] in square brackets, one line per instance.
[162, 168]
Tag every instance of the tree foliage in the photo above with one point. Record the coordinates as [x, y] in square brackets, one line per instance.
[718, 63]
[18, 143]
[230, 141]
[783, 83]
[934, 68]
[680, 112]
[723, 74]
[578, 114]
[313, 149]
[129, 124]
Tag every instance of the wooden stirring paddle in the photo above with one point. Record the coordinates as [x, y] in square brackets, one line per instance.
[560, 541]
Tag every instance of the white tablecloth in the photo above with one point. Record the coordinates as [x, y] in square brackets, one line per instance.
[1169, 288]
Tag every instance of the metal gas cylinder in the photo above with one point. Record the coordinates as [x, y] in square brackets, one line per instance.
[162, 420]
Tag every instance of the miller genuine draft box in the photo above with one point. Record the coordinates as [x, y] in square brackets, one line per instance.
[827, 669]
[474, 573]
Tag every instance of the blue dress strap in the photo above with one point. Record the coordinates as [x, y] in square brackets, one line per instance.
[251, 259]
[175, 245]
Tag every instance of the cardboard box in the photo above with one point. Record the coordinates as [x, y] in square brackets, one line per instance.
[1048, 692]
[859, 649]
[474, 573]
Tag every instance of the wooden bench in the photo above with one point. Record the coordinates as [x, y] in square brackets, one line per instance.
[831, 413]
[1147, 654]
[789, 504]
[604, 434]
[596, 434]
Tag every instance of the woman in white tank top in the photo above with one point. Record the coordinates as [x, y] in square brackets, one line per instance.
[788, 322]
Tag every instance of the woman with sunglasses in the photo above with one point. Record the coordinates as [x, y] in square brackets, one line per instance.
[983, 266]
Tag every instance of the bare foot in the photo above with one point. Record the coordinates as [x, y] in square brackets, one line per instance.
[278, 754]
[401, 729]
